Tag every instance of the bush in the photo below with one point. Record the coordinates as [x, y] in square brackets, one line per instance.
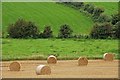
[116, 30]
[97, 12]
[23, 29]
[47, 33]
[78, 4]
[90, 9]
[86, 7]
[103, 18]
[101, 31]
[65, 31]
[81, 36]
[115, 18]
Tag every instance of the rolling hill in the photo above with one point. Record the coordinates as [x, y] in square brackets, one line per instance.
[54, 15]
[46, 13]
[109, 7]
[50, 13]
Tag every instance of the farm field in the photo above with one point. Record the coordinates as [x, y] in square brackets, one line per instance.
[43, 13]
[33, 52]
[52, 14]
[64, 69]
[62, 48]
[109, 7]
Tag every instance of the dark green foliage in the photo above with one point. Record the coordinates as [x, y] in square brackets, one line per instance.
[97, 12]
[90, 9]
[86, 7]
[65, 31]
[115, 18]
[23, 29]
[116, 30]
[103, 18]
[47, 33]
[101, 31]
[81, 36]
[78, 4]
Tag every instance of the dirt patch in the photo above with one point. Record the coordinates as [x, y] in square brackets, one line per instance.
[64, 69]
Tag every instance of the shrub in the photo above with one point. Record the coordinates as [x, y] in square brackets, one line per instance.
[116, 30]
[23, 29]
[90, 9]
[47, 33]
[78, 4]
[86, 7]
[103, 18]
[101, 31]
[65, 31]
[81, 36]
[97, 12]
[115, 18]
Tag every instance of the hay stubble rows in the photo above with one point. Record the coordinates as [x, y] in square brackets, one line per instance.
[64, 69]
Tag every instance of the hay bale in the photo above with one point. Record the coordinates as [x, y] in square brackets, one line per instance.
[108, 57]
[14, 66]
[82, 61]
[51, 59]
[43, 70]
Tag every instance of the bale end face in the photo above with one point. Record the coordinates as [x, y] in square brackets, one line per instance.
[43, 70]
[51, 60]
[82, 61]
[14, 66]
[108, 57]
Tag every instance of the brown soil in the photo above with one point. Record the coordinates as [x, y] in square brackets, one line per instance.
[64, 69]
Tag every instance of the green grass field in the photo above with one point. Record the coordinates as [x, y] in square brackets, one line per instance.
[65, 49]
[50, 13]
[54, 15]
[109, 7]
[46, 14]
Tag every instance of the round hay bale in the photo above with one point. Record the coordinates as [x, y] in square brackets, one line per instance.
[51, 59]
[82, 61]
[14, 66]
[108, 57]
[43, 70]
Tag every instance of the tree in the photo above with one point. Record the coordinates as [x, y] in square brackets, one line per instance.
[91, 9]
[86, 7]
[97, 12]
[101, 31]
[23, 29]
[47, 33]
[115, 18]
[103, 18]
[65, 31]
[116, 30]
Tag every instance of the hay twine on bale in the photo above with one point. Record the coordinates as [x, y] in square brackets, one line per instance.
[43, 70]
[108, 57]
[51, 59]
[14, 66]
[82, 61]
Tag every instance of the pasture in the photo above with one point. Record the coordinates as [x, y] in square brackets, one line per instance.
[17, 49]
[109, 7]
[43, 13]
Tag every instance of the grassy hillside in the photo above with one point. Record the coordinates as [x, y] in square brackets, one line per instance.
[109, 7]
[64, 49]
[46, 13]
[54, 14]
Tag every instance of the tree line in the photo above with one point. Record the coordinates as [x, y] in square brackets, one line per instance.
[27, 29]
[104, 27]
